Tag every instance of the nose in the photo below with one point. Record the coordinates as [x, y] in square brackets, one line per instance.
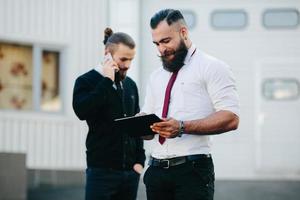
[125, 66]
[161, 49]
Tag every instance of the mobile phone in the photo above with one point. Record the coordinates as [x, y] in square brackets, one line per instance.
[108, 57]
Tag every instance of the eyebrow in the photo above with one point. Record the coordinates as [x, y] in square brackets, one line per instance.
[126, 58]
[162, 40]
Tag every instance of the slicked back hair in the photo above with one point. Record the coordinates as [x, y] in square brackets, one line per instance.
[170, 15]
[111, 39]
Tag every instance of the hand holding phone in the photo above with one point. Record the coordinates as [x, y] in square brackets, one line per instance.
[107, 57]
[110, 67]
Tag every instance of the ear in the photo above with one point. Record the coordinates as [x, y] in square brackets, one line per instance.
[184, 32]
[107, 51]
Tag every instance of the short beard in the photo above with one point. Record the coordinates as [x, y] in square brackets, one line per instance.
[120, 76]
[123, 76]
[178, 61]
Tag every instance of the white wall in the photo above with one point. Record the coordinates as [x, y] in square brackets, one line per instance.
[124, 16]
[76, 28]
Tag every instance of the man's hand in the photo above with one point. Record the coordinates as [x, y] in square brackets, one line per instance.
[138, 168]
[109, 68]
[168, 128]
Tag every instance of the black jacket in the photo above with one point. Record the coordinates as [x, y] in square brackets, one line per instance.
[98, 102]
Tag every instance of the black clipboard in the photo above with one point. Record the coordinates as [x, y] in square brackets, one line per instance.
[137, 126]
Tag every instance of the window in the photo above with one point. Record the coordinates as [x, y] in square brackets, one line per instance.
[50, 100]
[15, 76]
[229, 19]
[281, 89]
[190, 18]
[29, 78]
[281, 18]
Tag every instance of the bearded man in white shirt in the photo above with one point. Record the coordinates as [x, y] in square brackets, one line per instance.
[195, 95]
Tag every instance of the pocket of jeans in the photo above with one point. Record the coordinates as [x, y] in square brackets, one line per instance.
[136, 173]
[205, 171]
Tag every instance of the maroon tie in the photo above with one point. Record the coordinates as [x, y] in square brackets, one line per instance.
[167, 101]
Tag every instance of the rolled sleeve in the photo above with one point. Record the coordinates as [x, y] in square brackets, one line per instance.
[222, 88]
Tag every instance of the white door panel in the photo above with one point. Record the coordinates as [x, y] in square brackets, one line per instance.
[279, 130]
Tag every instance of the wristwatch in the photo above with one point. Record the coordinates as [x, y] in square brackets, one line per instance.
[181, 128]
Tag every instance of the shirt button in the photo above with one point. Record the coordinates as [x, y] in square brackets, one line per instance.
[125, 115]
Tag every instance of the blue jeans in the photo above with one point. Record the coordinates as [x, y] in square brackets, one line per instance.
[110, 184]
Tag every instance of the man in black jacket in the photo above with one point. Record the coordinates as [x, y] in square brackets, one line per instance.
[114, 160]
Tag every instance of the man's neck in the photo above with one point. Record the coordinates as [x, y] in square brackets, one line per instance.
[188, 43]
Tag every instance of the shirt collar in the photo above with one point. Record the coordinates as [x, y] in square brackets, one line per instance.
[98, 68]
[191, 50]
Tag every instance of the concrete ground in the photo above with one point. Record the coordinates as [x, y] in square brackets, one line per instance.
[224, 190]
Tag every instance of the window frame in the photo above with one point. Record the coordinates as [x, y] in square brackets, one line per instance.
[242, 11]
[268, 80]
[37, 52]
[278, 10]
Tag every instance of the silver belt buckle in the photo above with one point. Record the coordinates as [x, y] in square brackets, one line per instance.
[168, 163]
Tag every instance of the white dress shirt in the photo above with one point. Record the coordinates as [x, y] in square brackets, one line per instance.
[203, 86]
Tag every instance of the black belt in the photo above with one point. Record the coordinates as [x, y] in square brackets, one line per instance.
[169, 162]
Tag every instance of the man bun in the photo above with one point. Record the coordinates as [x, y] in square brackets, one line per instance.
[107, 33]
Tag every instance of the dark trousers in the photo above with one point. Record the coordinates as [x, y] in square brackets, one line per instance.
[110, 184]
[193, 180]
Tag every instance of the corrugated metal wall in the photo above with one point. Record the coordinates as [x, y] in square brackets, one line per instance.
[49, 143]
[125, 16]
[52, 141]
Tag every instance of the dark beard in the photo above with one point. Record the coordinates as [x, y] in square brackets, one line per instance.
[120, 76]
[178, 61]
